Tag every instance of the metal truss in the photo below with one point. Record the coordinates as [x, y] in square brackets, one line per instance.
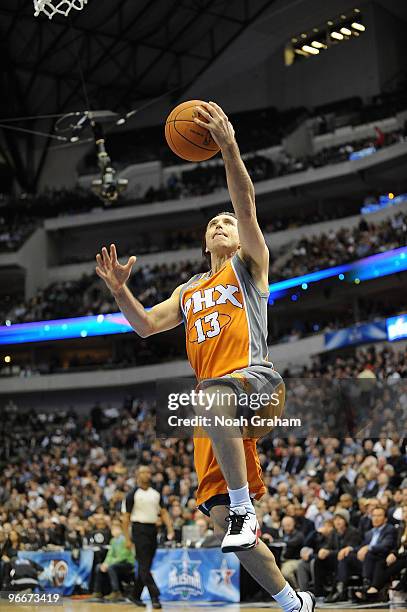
[135, 50]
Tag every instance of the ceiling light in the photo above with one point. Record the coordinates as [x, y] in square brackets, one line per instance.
[311, 50]
[343, 16]
[7, 359]
[358, 26]
[301, 52]
[330, 23]
[316, 30]
[318, 45]
[356, 34]
[346, 31]
[337, 35]
[294, 40]
[356, 10]
[303, 36]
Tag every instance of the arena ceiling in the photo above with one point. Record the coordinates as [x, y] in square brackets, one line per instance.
[121, 51]
[116, 55]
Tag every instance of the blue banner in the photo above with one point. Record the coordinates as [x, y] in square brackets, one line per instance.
[384, 202]
[203, 574]
[372, 267]
[397, 327]
[60, 572]
[58, 329]
[362, 153]
[367, 332]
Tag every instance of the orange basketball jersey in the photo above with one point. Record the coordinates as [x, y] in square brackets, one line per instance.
[225, 317]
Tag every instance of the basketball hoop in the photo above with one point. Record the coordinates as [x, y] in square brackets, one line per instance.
[52, 7]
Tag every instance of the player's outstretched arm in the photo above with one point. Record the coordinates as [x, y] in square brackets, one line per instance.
[145, 323]
[253, 245]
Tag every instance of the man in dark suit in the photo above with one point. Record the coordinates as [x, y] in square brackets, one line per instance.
[377, 544]
[390, 567]
[342, 483]
[340, 542]
[294, 541]
[296, 461]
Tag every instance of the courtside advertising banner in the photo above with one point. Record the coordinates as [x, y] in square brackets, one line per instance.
[61, 573]
[196, 575]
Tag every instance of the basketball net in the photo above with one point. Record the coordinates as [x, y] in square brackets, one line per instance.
[52, 7]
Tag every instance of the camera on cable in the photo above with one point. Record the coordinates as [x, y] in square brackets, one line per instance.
[108, 186]
[77, 125]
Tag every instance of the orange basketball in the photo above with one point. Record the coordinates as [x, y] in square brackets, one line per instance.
[187, 139]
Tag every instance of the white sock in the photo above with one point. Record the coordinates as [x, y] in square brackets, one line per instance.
[241, 497]
[287, 599]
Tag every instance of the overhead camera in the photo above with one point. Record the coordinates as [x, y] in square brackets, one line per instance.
[108, 186]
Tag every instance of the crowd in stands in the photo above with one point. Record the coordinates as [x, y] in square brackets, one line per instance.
[152, 284]
[132, 351]
[354, 112]
[347, 244]
[19, 217]
[13, 235]
[324, 493]
[256, 129]
[208, 178]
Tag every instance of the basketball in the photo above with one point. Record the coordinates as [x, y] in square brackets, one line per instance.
[187, 139]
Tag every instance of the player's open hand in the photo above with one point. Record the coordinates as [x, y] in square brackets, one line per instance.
[111, 271]
[217, 123]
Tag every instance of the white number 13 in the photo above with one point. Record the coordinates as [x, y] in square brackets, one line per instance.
[211, 318]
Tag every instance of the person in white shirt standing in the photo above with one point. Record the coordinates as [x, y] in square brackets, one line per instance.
[142, 507]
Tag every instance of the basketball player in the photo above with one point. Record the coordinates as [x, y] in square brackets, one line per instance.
[225, 317]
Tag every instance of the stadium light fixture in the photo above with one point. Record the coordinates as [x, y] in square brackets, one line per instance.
[301, 52]
[310, 50]
[7, 359]
[336, 29]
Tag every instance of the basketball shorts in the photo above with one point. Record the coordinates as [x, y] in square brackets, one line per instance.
[247, 383]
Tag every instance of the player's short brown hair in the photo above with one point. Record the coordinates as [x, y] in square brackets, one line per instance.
[206, 255]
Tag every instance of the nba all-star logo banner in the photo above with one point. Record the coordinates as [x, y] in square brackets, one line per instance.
[60, 573]
[196, 575]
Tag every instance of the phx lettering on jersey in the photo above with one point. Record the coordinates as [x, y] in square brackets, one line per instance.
[202, 300]
[217, 327]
